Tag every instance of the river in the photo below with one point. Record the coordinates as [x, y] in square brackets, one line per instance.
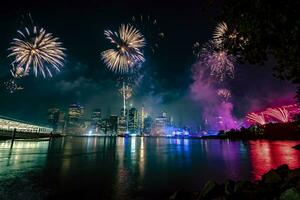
[131, 168]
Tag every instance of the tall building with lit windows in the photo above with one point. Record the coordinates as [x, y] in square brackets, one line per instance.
[96, 119]
[122, 122]
[53, 118]
[133, 121]
[113, 121]
[161, 124]
[75, 114]
[75, 123]
[148, 125]
[142, 119]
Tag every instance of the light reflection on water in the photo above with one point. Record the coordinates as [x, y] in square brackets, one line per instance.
[125, 168]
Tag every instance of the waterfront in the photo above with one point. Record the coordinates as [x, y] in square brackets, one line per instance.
[132, 168]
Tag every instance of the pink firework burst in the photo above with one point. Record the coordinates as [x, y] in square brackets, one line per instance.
[281, 114]
[220, 62]
[255, 118]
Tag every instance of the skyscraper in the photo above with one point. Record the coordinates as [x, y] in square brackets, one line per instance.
[133, 121]
[75, 114]
[61, 122]
[53, 118]
[142, 118]
[122, 123]
[96, 119]
[113, 121]
[161, 125]
[148, 122]
[76, 123]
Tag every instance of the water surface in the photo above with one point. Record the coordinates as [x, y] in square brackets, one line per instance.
[131, 168]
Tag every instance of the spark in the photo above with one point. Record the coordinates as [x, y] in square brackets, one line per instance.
[224, 93]
[196, 49]
[256, 118]
[220, 33]
[224, 35]
[35, 48]
[18, 72]
[126, 92]
[150, 28]
[280, 114]
[220, 62]
[12, 86]
[128, 42]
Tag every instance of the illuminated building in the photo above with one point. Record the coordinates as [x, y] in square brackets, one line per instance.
[61, 122]
[113, 121]
[96, 119]
[104, 126]
[53, 117]
[122, 123]
[161, 123]
[142, 119]
[133, 121]
[75, 114]
[148, 122]
[9, 124]
[76, 124]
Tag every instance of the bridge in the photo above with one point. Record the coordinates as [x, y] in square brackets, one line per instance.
[23, 129]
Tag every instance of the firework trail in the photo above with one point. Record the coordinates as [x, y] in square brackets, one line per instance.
[220, 62]
[126, 92]
[280, 114]
[224, 94]
[35, 48]
[128, 42]
[150, 28]
[256, 118]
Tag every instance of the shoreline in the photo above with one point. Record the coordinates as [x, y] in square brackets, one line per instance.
[281, 183]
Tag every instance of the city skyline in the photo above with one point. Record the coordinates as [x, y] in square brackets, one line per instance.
[166, 81]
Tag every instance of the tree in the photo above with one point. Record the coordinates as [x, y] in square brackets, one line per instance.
[271, 29]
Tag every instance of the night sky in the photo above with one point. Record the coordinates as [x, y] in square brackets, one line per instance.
[85, 79]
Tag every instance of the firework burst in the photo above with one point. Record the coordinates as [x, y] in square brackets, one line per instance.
[196, 49]
[220, 62]
[224, 36]
[280, 114]
[18, 72]
[224, 94]
[255, 118]
[127, 53]
[126, 92]
[37, 49]
[12, 86]
[220, 34]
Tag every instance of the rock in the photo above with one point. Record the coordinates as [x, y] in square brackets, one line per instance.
[210, 190]
[182, 194]
[297, 147]
[294, 173]
[290, 194]
[173, 196]
[229, 187]
[283, 171]
[271, 177]
[245, 190]
[243, 185]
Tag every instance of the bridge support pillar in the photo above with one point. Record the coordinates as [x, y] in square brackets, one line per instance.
[13, 138]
